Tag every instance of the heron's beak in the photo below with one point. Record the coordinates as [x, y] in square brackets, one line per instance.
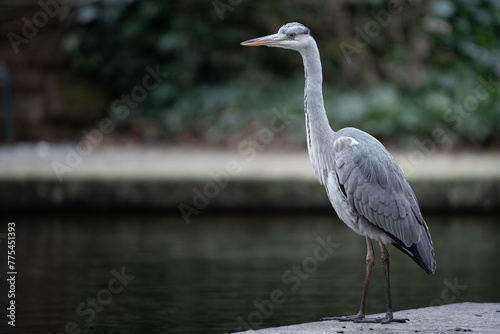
[270, 40]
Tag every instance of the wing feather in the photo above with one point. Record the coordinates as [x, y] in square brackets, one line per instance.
[377, 189]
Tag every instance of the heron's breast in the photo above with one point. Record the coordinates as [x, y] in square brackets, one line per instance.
[340, 203]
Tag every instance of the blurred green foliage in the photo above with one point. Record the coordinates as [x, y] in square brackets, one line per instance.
[411, 71]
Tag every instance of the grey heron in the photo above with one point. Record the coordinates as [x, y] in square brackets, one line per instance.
[363, 182]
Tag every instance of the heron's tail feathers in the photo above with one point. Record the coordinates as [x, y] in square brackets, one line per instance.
[421, 252]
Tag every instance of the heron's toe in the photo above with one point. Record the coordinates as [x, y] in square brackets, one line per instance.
[345, 318]
[381, 320]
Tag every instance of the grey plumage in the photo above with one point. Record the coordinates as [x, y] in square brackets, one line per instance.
[377, 190]
[363, 181]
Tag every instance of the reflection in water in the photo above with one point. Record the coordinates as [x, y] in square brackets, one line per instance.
[224, 272]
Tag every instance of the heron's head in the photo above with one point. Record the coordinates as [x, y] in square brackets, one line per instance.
[293, 36]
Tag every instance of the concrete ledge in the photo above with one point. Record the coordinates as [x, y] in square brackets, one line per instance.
[452, 318]
[248, 194]
[145, 178]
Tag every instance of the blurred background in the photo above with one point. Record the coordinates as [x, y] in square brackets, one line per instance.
[415, 65]
[139, 134]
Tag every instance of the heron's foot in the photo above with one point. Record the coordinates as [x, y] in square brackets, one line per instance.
[354, 318]
[381, 320]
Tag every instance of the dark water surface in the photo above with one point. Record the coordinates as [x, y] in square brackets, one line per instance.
[155, 274]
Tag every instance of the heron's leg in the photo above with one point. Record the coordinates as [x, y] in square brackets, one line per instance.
[370, 261]
[388, 304]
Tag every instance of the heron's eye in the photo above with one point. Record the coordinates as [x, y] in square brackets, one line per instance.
[292, 35]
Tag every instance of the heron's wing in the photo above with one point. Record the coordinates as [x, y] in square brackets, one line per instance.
[376, 188]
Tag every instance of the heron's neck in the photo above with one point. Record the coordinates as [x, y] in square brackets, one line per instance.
[313, 92]
[318, 129]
